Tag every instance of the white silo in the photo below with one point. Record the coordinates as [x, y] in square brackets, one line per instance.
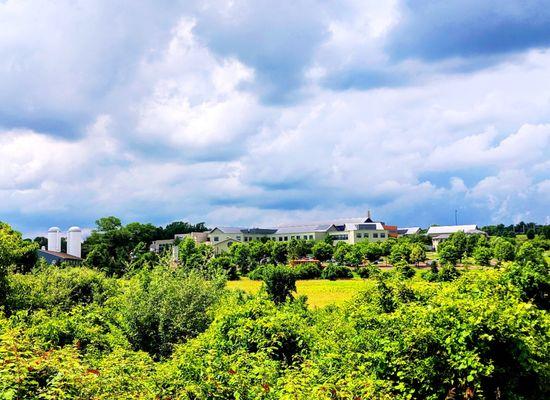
[74, 241]
[54, 239]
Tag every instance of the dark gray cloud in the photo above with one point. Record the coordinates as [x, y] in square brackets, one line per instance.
[434, 30]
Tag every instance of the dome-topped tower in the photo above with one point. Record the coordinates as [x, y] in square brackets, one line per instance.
[54, 239]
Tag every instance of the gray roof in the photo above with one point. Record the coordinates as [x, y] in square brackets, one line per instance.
[437, 230]
[408, 231]
[303, 229]
[229, 229]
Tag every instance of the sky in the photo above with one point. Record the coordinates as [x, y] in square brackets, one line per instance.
[259, 113]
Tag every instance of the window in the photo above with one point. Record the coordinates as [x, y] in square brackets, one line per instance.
[375, 235]
[359, 235]
[286, 238]
[216, 239]
[310, 237]
[292, 237]
[340, 237]
[382, 235]
[366, 235]
[280, 238]
[238, 237]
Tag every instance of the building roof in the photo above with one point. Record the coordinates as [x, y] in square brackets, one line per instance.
[370, 226]
[303, 229]
[437, 230]
[63, 256]
[408, 231]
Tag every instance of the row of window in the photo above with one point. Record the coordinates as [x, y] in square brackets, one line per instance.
[306, 237]
[366, 235]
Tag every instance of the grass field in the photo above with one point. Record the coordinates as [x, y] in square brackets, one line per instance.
[320, 292]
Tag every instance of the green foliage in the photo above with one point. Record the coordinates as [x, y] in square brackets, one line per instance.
[280, 282]
[483, 255]
[322, 251]
[448, 253]
[299, 248]
[279, 252]
[162, 307]
[77, 333]
[258, 273]
[15, 253]
[224, 264]
[418, 253]
[404, 269]
[400, 252]
[334, 271]
[503, 250]
[307, 271]
[54, 287]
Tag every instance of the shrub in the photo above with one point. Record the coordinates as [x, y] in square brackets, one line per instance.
[404, 269]
[334, 272]
[483, 255]
[280, 282]
[258, 273]
[322, 251]
[225, 265]
[163, 307]
[307, 271]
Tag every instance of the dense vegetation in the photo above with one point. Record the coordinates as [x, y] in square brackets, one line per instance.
[158, 330]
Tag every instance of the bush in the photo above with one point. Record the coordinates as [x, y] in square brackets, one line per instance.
[483, 255]
[322, 251]
[307, 271]
[258, 273]
[280, 282]
[163, 307]
[225, 265]
[333, 272]
[404, 269]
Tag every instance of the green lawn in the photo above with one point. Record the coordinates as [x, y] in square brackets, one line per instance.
[320, 292]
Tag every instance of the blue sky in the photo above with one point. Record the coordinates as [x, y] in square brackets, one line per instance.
[261, 112]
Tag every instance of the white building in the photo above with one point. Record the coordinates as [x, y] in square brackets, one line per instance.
[441, 233]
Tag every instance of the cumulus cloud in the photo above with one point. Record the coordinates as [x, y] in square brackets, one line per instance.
[252, 113]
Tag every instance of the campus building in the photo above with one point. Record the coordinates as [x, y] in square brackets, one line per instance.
[350, 230]
[439, 234]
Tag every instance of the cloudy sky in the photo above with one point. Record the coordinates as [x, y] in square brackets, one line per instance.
[262, 112]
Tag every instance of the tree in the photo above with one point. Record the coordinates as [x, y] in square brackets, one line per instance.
[322, 251]
[418, 254]
[528, 252]
[460, 242]
[448, 253]
[400, 252]
[298, 249]
[14, 251]
[280, 282]
[279, 252]
[224, 264]
[340, 252]
[483, 255]
[503, 250]
[240, 255]
[531, 234]
[371, 250]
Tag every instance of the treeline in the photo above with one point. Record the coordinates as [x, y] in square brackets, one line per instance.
[530, 229]
[174, 332]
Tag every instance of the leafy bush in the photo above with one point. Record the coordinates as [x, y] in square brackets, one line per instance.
[258, 273]
[307, 271]
[404, 269]
[55, 287]
[163, 307]
[280, 282]
[225, 265]
[333, 272]
[322, 251]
